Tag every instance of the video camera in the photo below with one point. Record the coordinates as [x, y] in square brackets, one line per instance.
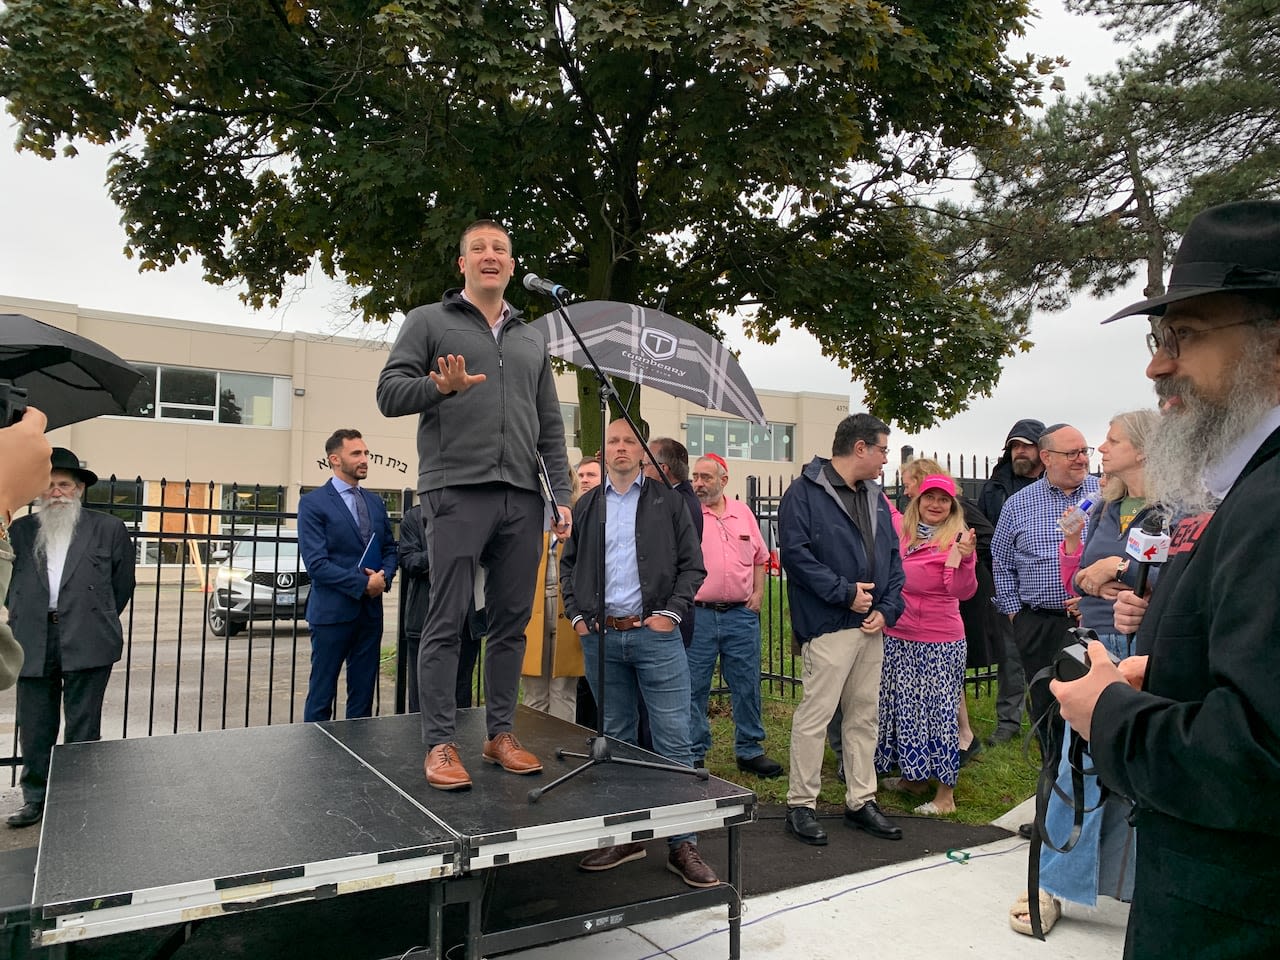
[13, 403]
[1072, 661]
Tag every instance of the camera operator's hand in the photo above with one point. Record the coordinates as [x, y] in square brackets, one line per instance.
[1079, 698]
[1134, 671]
[24, 454]
[1129, 611]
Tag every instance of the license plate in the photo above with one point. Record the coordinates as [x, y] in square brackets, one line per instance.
[286, 599]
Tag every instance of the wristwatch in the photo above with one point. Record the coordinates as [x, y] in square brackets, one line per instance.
[1121, 568]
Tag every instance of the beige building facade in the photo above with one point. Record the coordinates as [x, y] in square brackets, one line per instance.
[231, 409]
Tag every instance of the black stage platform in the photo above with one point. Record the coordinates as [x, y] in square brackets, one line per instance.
[168, 831]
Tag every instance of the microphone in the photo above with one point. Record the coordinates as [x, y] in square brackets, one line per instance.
[1149, 546]
[536, 284]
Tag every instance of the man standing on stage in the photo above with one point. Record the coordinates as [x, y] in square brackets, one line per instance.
[72, 578]
[480, 382]
[345, 540]
[728, 624]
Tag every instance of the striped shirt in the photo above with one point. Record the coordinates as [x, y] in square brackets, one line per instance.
[1024, 550]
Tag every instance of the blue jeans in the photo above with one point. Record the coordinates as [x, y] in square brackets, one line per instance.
[655, 663]
[1117, 643]
[734, 637]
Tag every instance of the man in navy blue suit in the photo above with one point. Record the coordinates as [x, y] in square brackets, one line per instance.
[337, 523]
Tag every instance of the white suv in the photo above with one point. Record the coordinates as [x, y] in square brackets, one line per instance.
[260, 579]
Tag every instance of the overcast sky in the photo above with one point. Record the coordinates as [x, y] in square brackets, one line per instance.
[62, 241]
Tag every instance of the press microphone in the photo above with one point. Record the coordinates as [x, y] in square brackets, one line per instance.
[536, 284]
[1149, 546]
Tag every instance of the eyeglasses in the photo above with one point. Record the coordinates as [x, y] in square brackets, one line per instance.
[1171, 339]
[876, 446]
[1073, 454]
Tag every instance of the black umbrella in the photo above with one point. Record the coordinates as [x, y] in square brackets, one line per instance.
[66, 376]
[654, 349]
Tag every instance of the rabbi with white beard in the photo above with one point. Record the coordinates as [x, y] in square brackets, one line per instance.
[72, 578]
[1190, 730]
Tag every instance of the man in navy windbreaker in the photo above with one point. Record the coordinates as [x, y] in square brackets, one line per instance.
[844, 584]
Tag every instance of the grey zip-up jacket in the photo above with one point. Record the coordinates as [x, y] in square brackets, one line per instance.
[492, 432]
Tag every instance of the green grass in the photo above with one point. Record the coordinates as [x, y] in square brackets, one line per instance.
[996, 780]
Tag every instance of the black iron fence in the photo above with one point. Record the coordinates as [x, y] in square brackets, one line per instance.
[216, 636]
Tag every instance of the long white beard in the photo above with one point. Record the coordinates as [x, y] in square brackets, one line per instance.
[1204, 431]
[57, 523]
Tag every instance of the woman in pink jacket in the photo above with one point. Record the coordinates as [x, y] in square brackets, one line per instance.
[924, 652]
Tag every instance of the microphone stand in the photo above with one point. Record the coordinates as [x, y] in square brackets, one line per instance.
[598, 748]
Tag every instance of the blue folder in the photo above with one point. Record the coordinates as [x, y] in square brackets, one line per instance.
[371, 559]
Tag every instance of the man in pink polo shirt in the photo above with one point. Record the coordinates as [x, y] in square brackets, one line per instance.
[728, 621]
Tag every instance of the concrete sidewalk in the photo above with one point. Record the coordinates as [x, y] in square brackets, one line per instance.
[928, 907]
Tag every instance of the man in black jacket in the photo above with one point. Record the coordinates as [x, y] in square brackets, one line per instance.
[72, 579]
[653, 568]
[1018, 466]
[1189, 730]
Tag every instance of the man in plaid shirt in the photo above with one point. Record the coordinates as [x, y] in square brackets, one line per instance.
[1024, 557]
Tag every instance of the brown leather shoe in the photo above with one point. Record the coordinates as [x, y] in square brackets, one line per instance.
[606, 858]
[444, 768]
[686, 863]
[505, 750]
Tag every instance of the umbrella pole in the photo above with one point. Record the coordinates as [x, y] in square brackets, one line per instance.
[598, 748]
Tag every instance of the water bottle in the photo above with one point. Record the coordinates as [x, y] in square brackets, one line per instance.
[1074, 521]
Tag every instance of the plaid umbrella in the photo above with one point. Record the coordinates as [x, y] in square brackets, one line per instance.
[68, 377]
[654, 349]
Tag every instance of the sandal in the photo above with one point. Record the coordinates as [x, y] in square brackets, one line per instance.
[931, 809]
[1020, 915]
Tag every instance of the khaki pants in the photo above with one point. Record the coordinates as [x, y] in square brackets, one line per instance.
[557, 696]
[841, 668]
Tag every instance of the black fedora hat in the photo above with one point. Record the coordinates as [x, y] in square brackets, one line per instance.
[64, 459]
[1233, 248]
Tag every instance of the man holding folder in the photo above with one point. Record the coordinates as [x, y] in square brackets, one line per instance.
[345, 538]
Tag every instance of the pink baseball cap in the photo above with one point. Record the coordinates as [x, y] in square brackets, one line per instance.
[937, 481]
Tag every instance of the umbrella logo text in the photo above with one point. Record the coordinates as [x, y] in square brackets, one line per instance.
[658, 344]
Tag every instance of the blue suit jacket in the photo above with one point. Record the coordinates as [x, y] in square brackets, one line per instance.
[331, 548]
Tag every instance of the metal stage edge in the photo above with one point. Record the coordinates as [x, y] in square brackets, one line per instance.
[379, 826]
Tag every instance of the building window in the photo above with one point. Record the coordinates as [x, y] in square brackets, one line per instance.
[120, 498]
[740, 440]
[571, 414]
[251, 508]
[213, 396]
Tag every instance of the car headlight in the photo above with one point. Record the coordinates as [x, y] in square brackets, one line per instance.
[227, 574]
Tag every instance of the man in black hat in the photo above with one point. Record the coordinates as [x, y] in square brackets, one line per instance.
[1190, 729]
[72, 579]
[1019, 465]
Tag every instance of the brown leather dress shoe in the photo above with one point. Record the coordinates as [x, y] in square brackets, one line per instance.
[444, 768]
[606, 858]
[686, 863]
[505, 750]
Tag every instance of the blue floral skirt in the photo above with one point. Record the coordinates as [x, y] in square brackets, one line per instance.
[920, 687]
